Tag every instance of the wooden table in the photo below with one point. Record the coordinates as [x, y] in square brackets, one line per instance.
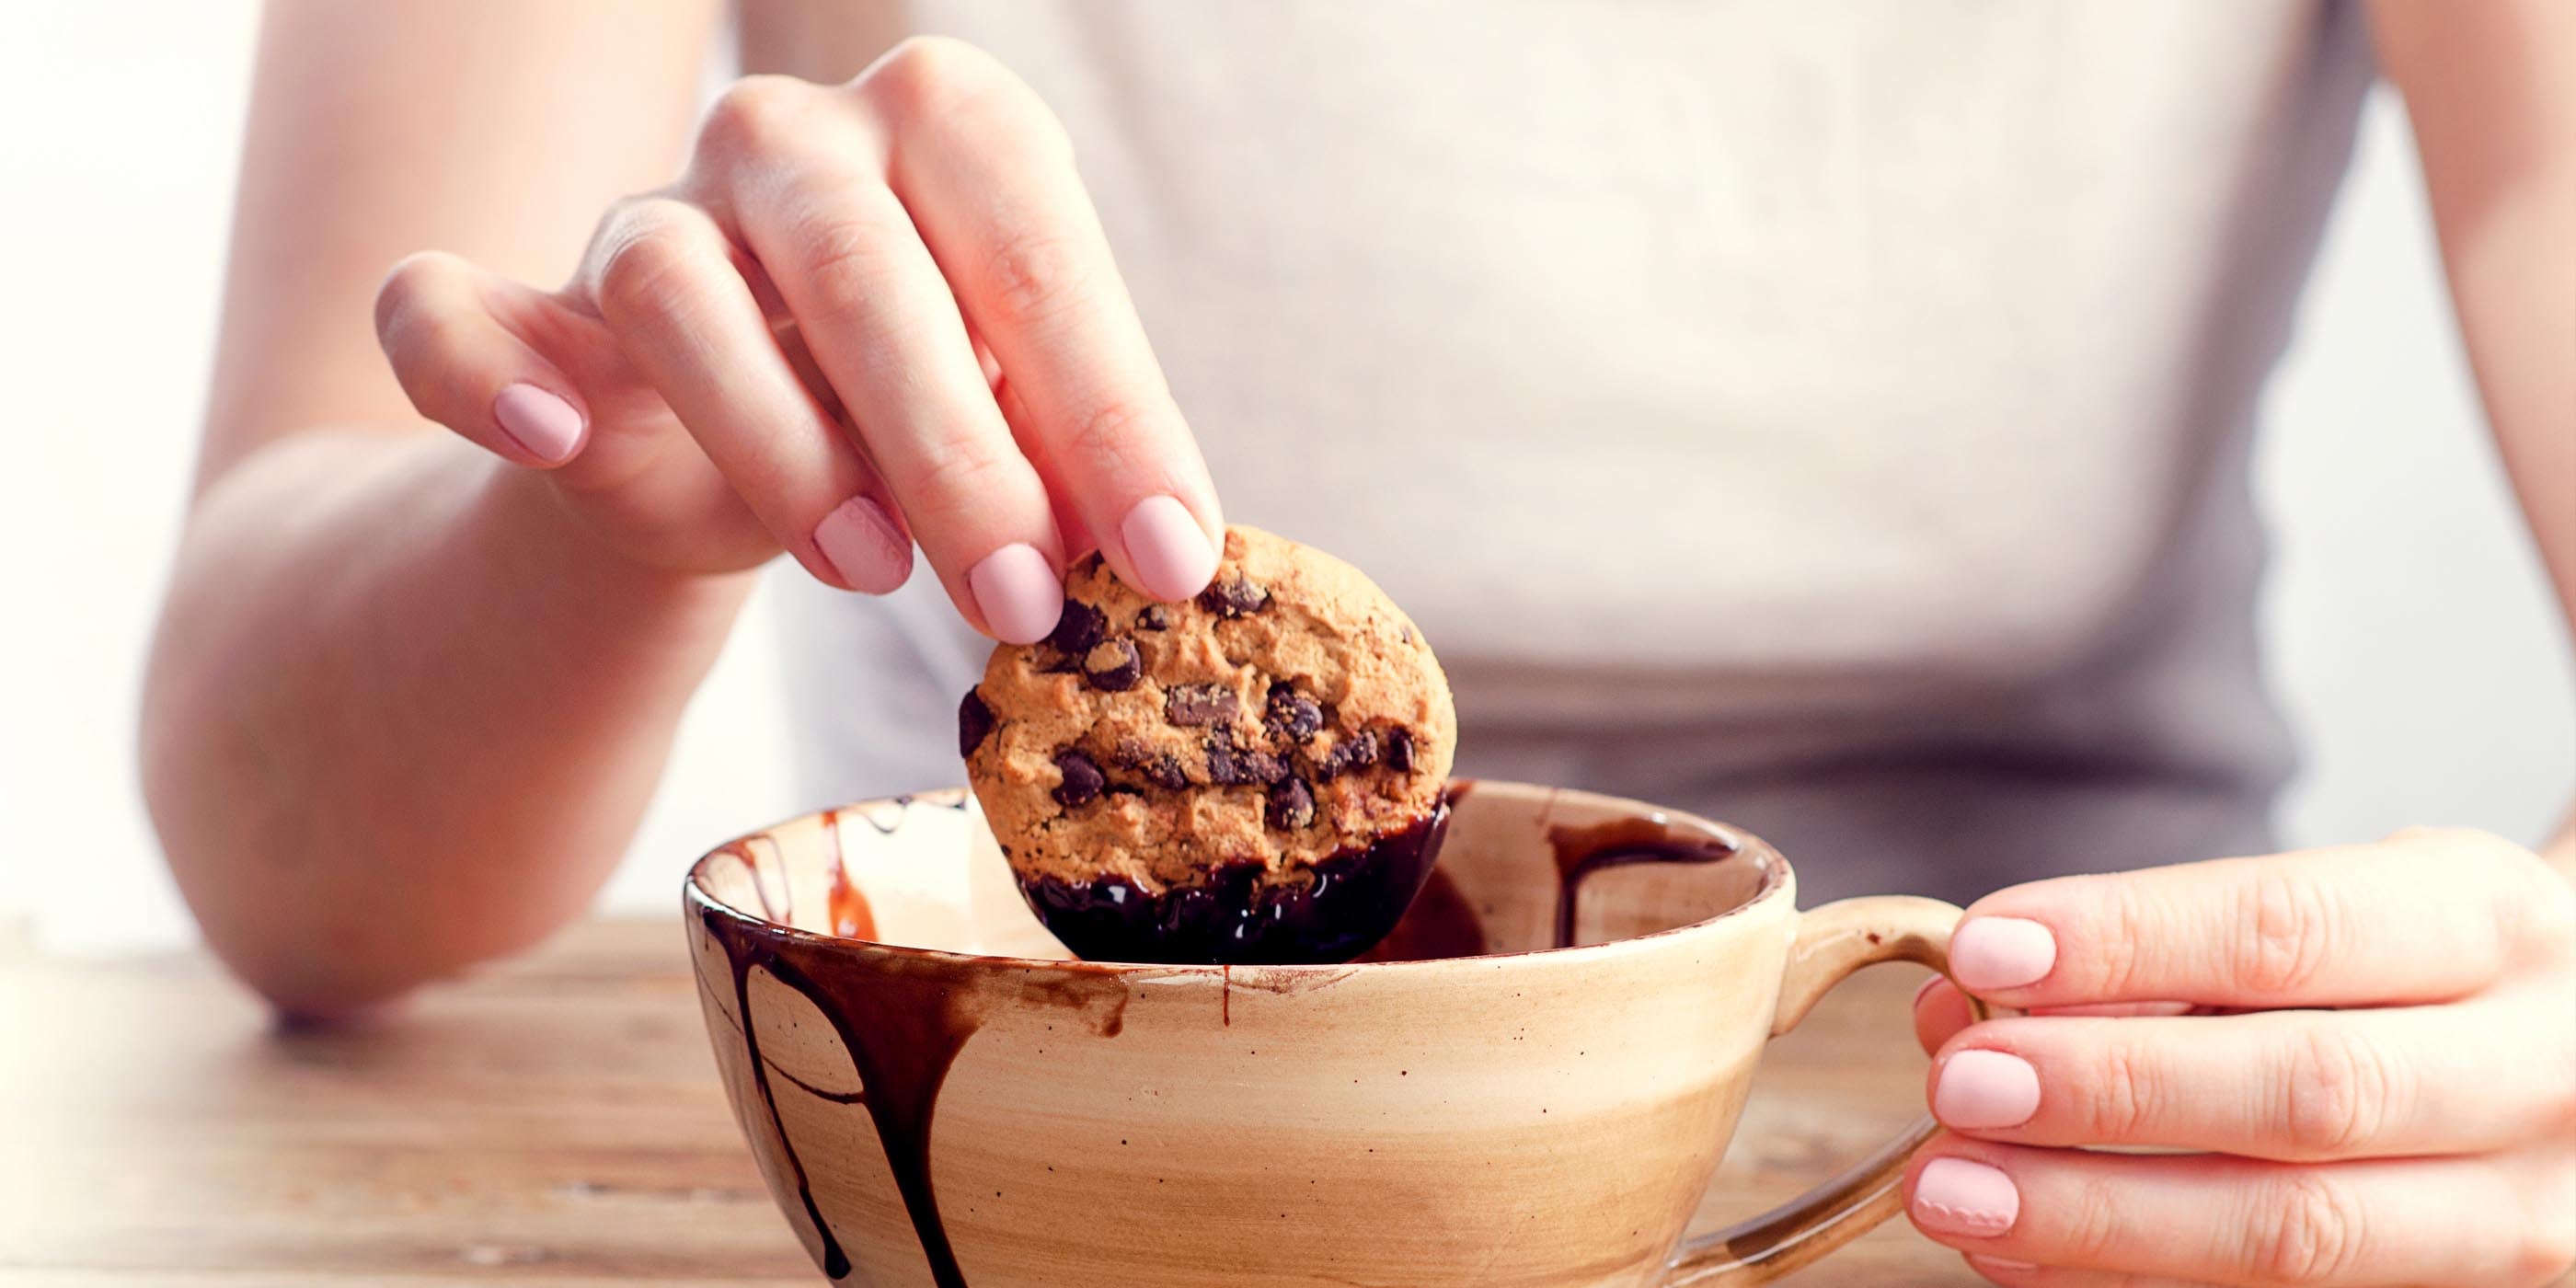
[557, 1123]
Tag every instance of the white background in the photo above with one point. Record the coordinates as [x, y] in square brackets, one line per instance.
[2410, 632]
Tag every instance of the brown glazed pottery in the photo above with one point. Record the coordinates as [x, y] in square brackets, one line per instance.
[1527, 1086]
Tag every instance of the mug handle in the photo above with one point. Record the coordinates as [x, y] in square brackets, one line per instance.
[1833, 941]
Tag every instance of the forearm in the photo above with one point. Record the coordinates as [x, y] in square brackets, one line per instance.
[2491, 90]
[402, 715]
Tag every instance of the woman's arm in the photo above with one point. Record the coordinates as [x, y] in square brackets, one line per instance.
[401, 715]
[409, 697]
[2492, 91]
[2353, 1065]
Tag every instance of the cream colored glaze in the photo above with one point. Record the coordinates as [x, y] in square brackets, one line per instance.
[1535, 1119]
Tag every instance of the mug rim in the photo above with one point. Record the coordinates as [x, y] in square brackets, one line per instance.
[1778, 879]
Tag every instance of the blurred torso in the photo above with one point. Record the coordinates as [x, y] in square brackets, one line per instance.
[1830, 417]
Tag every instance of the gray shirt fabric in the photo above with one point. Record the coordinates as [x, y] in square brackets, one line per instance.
[1828, 417]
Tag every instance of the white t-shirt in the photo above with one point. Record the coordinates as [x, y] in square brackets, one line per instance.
[1830, 417]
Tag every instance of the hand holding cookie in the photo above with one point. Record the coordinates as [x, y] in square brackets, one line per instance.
[1255, 775]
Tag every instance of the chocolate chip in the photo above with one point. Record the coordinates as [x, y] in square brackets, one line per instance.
[974, 722]
[1082, 780]
[1292, 715]
[1292, 805]
[1161, 768]
[1113, 666]
[1229, 764]
[1233, 598]
[1355, 752]
[1200, 704]
[1078, 629]
[1399, 750]
[1225, 765]
[1153, 617]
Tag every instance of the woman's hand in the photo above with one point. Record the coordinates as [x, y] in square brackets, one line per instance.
[2369, 1053]
[867, 314]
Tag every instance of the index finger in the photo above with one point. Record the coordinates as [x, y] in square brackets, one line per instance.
[988, 177]
[2423, 917]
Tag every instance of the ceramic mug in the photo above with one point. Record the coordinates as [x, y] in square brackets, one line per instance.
[1528, 1086]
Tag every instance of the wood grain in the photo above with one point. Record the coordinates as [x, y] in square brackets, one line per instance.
[557, 1122]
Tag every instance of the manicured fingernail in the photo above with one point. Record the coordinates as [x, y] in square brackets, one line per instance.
[861, 543]
[1926, 990]
[1169, 550]
[1955, 1196]
[1983, 1090]
[544, 425]
[2001, 952]
[1017, 591]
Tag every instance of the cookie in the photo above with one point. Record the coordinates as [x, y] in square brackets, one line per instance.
[1254, 775]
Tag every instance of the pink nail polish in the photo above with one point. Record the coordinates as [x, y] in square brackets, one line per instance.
[1925, 991]
[2001, 952]
[1017, 591]
[1168, 549]
[541, 423]
[1984, 1090]
[1955, 1196]
[862, 543]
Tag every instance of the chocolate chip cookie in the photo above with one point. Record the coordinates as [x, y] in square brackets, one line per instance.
[1253, 776]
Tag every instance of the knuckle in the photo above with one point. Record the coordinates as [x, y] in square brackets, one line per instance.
[946, 87]
[2558, 1108]
[841, 256]
[2312, 1233]
[411, 287]
[931, 76]
[1034, 276]
[2093, 1233]
[755, 115]
[2550, 916]
[2290, 925]
[2119, 952]
[2120, 1105]
[2419, 834]
[2340, 1090]
[1108, 436]
[2549, 1251]
[2536, 904]
[957, 473]
[2545, 1244]
[2478, 845]
[2532, 907]
[651, 253]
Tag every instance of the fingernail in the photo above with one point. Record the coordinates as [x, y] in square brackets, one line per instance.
[862, 544]
[1983, 1090]
[2001, 952]
[1017, 591]
[1926, 991]
[1168, 549]
[542, 424]
[1955, 1196]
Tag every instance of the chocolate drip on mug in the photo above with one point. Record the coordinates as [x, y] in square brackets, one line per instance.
[1618, 842]
[848, 912]
[903, 1018]
[1440, 924]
